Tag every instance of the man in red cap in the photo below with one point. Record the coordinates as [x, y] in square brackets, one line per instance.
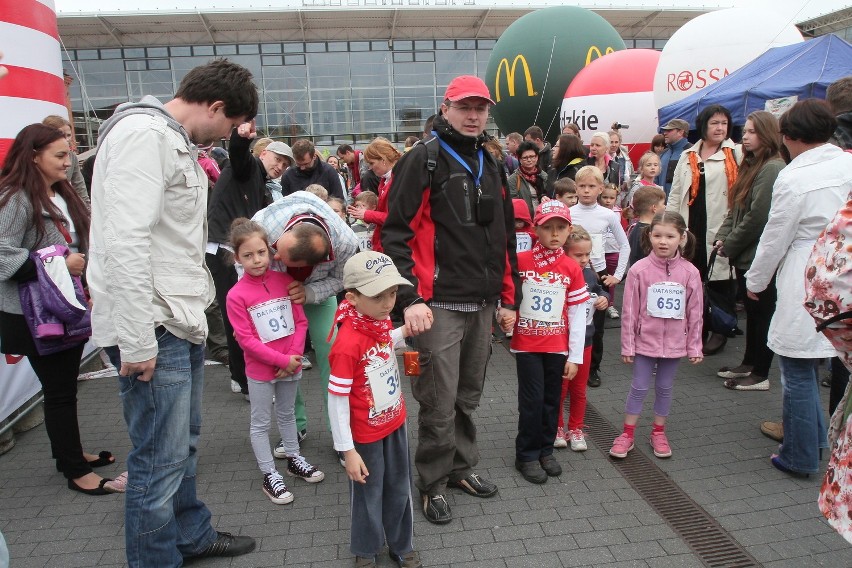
[450, 231]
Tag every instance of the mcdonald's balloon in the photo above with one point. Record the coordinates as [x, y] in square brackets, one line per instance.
[716, 44]
[618, 87]
[535, 60]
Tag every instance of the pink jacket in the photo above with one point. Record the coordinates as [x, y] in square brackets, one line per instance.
[262, 359]
[644, 334]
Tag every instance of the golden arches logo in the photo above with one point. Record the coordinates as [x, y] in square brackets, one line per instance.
[596, 50]
[510, 76]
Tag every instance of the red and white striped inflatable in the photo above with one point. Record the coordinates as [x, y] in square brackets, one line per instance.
[34, 87]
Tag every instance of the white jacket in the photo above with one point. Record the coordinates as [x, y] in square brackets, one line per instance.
[716, 196]
[149, 230]
[805, 197]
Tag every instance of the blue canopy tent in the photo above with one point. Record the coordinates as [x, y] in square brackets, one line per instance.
[804, 69]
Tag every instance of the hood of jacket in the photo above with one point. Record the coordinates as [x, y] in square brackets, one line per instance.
[522, 212]
[147, 105]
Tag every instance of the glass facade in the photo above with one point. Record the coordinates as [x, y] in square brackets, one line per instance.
[330, 92]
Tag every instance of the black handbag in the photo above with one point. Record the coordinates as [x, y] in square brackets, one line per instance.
[720, 313]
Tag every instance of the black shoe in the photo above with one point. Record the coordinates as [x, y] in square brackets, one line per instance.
[436, 509]
[594, 379]
[228, 545]
[475, 485]
[550, 466]
[714, 343]
[531, 471]
[301, 435]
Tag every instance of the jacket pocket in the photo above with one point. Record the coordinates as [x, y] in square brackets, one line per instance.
[184, 296]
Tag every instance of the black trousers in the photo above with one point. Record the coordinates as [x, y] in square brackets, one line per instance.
[758, 315]
[57, 374]
[839, 380]
[539, 391]
[224, 278]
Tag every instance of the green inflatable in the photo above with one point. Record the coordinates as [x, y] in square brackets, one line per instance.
[536, 59]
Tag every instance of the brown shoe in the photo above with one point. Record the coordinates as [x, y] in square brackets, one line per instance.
[774, 430]
[714, 343]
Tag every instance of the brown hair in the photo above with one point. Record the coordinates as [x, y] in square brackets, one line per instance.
[578, 234]
[243, 229]
[381, 149]
[676, 221]
[646, 197]
[658, 140]
[55, 121]
[570, 148]
[303, 147]
[368, 198]
[766, 129]
[563, 186]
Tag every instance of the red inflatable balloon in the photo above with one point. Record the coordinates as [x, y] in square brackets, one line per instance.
[618, 87]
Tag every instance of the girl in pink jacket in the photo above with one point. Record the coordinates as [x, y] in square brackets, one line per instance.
[271, 330]
[661, 322]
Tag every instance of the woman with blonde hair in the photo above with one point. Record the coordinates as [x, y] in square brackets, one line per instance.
[381, 157]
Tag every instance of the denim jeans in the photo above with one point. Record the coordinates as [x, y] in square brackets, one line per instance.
[164, 520]
[802, 416]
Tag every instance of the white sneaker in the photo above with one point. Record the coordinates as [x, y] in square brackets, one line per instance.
[612, 313]
[279, 452]
[560, 441]
[578, 440]
[275, 489]
[235, 387]
[306, 363]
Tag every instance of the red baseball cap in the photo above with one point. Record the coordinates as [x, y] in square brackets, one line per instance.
[551, 209]
[465, 86]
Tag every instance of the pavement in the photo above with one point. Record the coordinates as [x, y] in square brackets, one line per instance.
[589, 516]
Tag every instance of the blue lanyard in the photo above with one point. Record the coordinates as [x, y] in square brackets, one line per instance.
[460, 160]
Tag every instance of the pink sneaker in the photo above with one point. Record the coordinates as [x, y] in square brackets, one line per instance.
[560, 441]
[661, 445]
[621, 446]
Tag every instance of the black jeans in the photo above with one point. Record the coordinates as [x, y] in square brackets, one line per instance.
[539, 391]
[839, 380]
[224, 278]
[758, 315]
[57, 374]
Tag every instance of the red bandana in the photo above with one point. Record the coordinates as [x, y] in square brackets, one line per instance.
[371, 327]
[544, 258]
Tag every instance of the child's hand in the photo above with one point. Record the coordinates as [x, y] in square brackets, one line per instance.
[295, 363]
[610, 280]
[570, 371]
[506, 319]
[696, 360]
[355, 467]
[601, 303]
[627, 359]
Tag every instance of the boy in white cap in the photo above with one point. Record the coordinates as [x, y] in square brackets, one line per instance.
[367, 411]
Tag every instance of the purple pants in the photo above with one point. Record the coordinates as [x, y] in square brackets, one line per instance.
[643, 372]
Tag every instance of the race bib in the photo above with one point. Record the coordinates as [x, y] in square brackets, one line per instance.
[542, 302]
[365, 241]
[383, 377]
[597, 245]
[524, 241]
[667, 300]
[273, 319]
[590, 308]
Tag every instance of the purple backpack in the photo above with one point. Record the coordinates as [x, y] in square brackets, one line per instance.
[54, 304]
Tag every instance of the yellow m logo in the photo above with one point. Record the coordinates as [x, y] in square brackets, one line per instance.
[594, 50]
[510, 76]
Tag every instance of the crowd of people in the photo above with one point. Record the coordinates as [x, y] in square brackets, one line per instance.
[268, 250]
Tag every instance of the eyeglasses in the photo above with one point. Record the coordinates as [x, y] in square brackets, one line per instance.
[528, 158]
[478, 109]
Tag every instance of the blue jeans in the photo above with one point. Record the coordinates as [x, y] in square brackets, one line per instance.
[164, 520]
[802, 416]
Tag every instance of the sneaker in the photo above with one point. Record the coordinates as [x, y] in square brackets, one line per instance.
[436, 509]
[531, 471]
[306, 363]
[661, 445]
[550, 466]
[621, 446]
[578, 440]
[475, 486]
[560, 441]
[410, 560]
[273, 486]
[341, 457]
[235, 387]
[279, 452]
[246, 396]
[594, 379]
[612, 313]
[364, 562]
[297, 466]
[226, 545]
[301, 435]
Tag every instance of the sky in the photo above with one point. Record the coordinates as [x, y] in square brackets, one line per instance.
[799, 10]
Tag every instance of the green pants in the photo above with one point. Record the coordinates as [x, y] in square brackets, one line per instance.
[320, 319]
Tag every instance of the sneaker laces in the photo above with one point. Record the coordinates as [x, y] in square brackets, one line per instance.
[301, 466]
[577, 435]
[276, 482]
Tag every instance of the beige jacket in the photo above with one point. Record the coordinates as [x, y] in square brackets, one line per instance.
[716, 196]
[149, 230]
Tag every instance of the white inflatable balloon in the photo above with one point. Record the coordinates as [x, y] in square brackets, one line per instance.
[714, 45]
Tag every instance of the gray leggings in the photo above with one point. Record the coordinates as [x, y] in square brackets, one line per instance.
[261, 393]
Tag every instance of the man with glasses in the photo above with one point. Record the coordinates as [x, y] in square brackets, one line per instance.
[450, 231]
[309, 169]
